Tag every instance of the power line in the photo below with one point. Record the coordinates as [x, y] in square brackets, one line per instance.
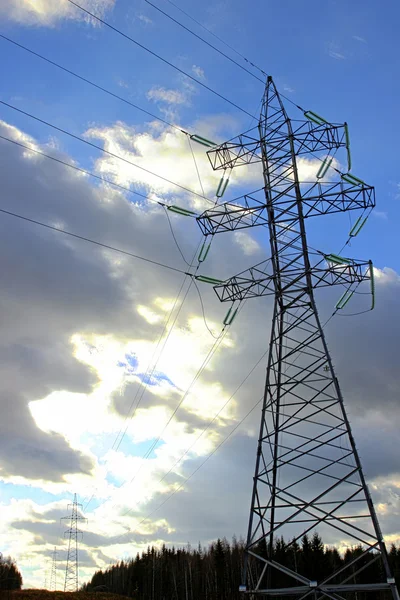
[103, 179]
[217, 37]
[131, 414]
[143, 389]
[113, 541]
[205, 362]
[174, 237]
[200, 370]
[80, 170]
[215, 416]
[205, 41]
[207, 359]
[117, 442]
[209, 355]
[92, 83]
[195, 164]
[147, 378]
[91, 241]
[203, 312]
[176, 316]
[103, 22]
[80, 139]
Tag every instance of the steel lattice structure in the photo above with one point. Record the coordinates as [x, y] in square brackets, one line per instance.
[308, 474]
[71, 570]
[53, 574]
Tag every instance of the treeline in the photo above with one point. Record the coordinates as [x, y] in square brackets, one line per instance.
[215, 573]
[10, 577]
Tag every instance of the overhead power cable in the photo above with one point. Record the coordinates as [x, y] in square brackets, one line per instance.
[141, 390]
[103, 179]
[126, 36]
[205, 362]
[150, 370]
[116, 538]
[92, 83]
[147, 376]
[203, 431]
[218, 38]
[92, 145]
[91, 241]
[80, 170]
[203, 312]
[205, 41]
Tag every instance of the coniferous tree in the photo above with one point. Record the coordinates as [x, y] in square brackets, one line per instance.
[214, 573]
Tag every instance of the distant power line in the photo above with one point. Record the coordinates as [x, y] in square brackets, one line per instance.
[91, 241]
[92, 83]
[112, 154]
[218, 38]
[205, 42]
[201, 83]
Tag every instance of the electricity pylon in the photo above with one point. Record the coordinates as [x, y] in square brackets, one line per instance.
[308, 475]
[71, 570]
[53, 574]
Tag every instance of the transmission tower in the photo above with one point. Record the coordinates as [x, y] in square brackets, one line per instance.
[308, 475]
[46, 573]
[71, 570]
[53, 574]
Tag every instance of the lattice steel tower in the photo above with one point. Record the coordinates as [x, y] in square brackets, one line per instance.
[308, 474]
[71, 570]
[53, 574]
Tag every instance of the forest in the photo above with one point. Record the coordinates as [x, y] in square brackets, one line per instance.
[214, 573]
[10, 577]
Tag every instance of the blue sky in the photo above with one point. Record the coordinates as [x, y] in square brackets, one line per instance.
[340, 60]
[77, 316]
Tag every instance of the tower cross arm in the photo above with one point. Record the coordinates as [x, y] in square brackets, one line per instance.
[252, 283]
[247, 211]
[314, 138]
[337, 197]
[347, 273]
[256, 281]
[241, 150]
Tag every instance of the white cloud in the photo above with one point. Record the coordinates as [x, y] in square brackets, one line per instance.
[160, 94]
[48, 12]
[336, 55]
[335, 52]
[123, 84]
[359, 39]
[198, 71]
[167, 152]
[247, 243]
[144, 19]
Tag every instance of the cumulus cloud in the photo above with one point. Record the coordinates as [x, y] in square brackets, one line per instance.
[48, 13]
[168, 153]
[160, 94]
[198, 71]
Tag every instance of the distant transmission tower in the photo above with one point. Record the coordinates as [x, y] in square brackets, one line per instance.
[53, 575]
[308, 475]
[71, 570]
[46, 576]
